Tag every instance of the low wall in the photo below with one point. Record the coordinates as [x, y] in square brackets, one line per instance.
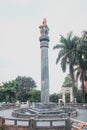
[42, 124]
[34, 124]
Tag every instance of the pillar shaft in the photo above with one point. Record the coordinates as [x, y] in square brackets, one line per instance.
[44, 45]
[44, 72]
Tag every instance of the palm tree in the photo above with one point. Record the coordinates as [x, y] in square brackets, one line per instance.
[82, 60]
[66, 55]
[80, 73]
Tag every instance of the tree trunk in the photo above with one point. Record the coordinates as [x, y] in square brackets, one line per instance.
[73, 80]
[83, 92]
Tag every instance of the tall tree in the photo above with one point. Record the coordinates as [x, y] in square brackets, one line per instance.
[9, 91]
[66, 55]
[19, 87]
[82, 60]
[25, 82]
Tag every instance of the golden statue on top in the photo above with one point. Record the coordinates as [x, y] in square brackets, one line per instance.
[44, 30]
[44, 22]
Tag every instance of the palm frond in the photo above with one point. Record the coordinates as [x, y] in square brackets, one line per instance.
[58, 46]
[69, 35]
[64, 41]
[60, 55]
[63, 63]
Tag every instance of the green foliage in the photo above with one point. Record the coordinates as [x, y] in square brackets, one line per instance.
[25, 82]
[66, 53]
[2, 96]
[79, 96]
[35, 95]
[55, 97]
[67, 97]
[67, 82]
[17, 89]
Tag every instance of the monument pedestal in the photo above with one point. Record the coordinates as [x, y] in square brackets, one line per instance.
[45, 109]
[44, 106]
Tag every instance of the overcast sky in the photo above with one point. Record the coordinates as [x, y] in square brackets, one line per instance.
[20, 52]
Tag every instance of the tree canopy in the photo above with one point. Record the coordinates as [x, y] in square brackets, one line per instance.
[72, 51]
[19, 88]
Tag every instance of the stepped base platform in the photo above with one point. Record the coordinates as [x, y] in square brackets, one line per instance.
[43, 108]
[41, 111]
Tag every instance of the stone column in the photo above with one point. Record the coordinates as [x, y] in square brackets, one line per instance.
[44, 45]
[63, 97]
[71, 95]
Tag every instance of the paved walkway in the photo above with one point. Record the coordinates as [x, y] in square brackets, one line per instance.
[82, 115]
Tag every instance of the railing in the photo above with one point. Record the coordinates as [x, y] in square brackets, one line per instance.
[78, 125]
